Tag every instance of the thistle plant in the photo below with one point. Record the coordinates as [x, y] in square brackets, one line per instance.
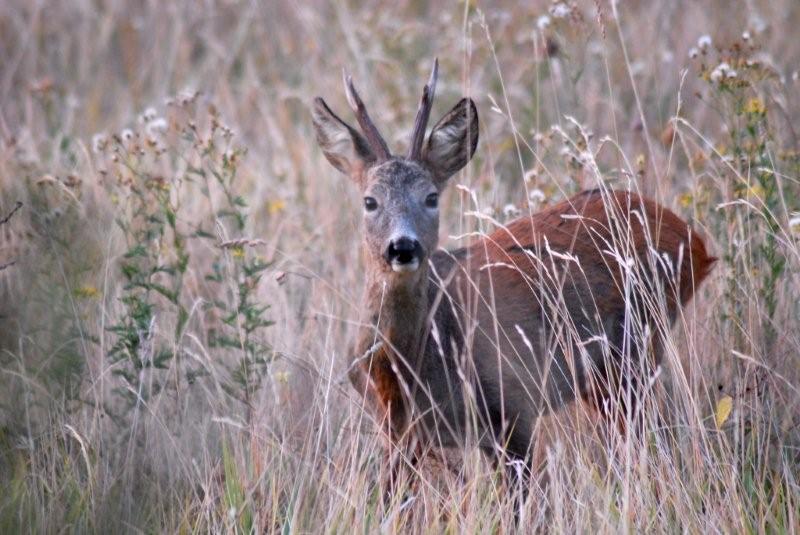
[236, 271]
[154, 169]
[152, 265]
[740, 86]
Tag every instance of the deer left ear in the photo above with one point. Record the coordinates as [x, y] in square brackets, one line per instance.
[345, 148]
[452, 141]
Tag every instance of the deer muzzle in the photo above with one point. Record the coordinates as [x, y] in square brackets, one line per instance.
[404, 254]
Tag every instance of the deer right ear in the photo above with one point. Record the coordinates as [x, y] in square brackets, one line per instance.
[346, 149]
[452, 141]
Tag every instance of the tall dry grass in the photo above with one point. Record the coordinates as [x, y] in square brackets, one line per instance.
[175, 326]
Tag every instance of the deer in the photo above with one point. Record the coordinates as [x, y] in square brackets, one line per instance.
[568, 304]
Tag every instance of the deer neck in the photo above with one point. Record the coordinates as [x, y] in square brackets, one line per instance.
[398, 307]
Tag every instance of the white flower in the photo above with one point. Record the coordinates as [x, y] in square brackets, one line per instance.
[99, 142]
[794, 222]
[693, 52]
[126, 135]
[187, 96]
[746, 36]
[543, 22]
[157, 125]
[510, 210]
[148, 115]
[536, 195]
[723, 71]
[704, 42]
[560, 10]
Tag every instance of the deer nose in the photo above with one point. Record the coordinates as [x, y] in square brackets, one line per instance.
[403, 253]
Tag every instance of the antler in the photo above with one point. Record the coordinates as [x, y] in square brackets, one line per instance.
[374, 139]
[424, 112]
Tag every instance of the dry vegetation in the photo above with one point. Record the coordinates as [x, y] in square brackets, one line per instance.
[186, 266]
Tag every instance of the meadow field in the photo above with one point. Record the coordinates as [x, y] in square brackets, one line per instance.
[181, 268]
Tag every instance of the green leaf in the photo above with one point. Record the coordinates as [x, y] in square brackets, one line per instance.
[183, 317]
[196, 171]
[200, 233]
[170, 213]
[136, 250]
[162, 358]
[166, 292]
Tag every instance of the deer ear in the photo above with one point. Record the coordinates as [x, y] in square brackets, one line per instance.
[452, 141]
[346, 149]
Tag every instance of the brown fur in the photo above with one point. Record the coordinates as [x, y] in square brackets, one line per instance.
[583, 235]
[393, 373]
[559, 305]
[581, 226]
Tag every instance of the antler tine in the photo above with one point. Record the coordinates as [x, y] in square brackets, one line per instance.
[423, 114]
[374, 138]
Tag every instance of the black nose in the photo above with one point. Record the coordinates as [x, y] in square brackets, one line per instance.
[403, 250]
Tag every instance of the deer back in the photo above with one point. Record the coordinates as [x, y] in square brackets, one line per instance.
[529, 312]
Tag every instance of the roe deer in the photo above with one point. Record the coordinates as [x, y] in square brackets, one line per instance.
[554, 306]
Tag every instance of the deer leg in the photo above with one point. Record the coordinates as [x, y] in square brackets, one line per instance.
[404, 452]
[512, 453]
[613, 387]
[517, 474]
[611, 392]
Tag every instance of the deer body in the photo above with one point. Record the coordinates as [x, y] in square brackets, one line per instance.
[495, 328]
[485, 339]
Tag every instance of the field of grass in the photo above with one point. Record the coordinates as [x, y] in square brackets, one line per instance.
[180, 286]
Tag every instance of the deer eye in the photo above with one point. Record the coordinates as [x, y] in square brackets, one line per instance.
[370, 204]
[432, 200]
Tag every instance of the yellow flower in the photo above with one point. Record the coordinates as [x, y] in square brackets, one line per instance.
[686, 199]
[87, 292]
[756, 191]
[238, 252]
[641, 165]
[276, 205]
[755, 106]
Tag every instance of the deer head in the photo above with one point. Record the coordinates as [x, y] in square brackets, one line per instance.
[401, 193]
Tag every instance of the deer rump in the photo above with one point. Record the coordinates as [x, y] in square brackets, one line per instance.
[567, 303]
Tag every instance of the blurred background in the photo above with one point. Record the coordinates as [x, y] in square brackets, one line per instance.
[181, 282]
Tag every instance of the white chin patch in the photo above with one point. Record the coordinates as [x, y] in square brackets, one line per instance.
[405, 268]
